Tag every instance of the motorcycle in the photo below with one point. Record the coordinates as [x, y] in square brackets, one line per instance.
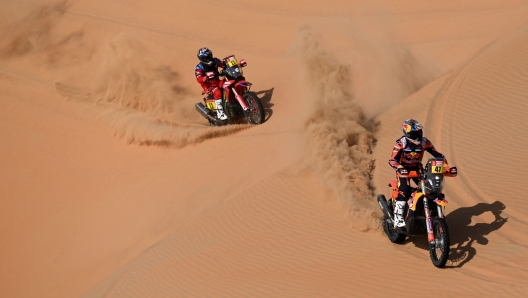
[424, 211]
[237, 99]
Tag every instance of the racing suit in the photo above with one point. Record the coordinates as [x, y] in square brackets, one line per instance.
[211, 85]
[408, 156]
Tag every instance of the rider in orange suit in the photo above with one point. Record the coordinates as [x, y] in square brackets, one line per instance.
[407, 156]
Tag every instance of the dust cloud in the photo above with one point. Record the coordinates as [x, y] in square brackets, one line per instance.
[338, 134]
[385, 70]
[142, 100]
[37, 35]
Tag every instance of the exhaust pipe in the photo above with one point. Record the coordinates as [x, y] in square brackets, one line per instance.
[205, 112]
[384, 207]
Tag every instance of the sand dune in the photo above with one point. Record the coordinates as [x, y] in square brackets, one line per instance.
[465, 114]
[113, 186]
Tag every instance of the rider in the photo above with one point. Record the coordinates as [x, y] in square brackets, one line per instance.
[207, 76]
[407, 156]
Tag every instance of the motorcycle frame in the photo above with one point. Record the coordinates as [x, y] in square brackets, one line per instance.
[421, 195]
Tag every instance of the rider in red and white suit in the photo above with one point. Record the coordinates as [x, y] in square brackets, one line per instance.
[207, 76]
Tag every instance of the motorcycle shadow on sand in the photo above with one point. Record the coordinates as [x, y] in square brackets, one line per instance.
[463, 235]
[265, 98]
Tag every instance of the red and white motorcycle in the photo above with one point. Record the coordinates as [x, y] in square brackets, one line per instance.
[237, 100]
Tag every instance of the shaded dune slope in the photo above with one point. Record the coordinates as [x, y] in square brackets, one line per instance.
[475, 116]
[483, 129]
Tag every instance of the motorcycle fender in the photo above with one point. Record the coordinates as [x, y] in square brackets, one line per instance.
[439, 199]
[417, 197]
[439, 202]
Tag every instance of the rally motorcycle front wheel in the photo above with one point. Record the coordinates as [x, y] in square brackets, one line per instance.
[439, 250]
[255, 112]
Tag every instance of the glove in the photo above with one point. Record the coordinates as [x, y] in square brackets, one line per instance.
[453, 171]
[209, 76]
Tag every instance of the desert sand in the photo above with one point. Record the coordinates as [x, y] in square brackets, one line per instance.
[112, 185]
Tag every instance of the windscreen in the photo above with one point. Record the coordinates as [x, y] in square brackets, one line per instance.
[231, 67]
[231, 61]
[434, 177]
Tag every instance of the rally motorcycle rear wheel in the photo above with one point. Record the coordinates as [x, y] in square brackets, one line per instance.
[255, 112]
[439, 250]
[393, 235]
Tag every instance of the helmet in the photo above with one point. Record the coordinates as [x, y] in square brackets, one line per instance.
[412, 130]
[205, 56]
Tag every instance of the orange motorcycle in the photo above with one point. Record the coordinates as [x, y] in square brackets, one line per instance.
[424, 211]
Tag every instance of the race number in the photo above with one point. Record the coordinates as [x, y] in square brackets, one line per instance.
[437, 170]
[211, 105]
[231, 61]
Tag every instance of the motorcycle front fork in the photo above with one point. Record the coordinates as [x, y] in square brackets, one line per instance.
[236, 97]
[429, 220]
[440, 211]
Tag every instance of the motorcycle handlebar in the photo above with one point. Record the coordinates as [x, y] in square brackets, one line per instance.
[416, 174]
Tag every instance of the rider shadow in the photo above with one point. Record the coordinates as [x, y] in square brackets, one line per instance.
[464, 235]
[266, 102]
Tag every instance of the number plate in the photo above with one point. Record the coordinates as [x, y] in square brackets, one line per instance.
[437, 170]
[211, 105]
[231, 61]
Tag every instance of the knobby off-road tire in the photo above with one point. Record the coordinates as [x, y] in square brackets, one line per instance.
[393, 235]
[255, 112]
[439, 251]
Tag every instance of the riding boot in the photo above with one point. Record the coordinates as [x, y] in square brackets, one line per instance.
[220, 110]
[398, 214]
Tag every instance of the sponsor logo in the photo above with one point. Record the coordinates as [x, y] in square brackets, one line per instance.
[411, 161]
[429, 225]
